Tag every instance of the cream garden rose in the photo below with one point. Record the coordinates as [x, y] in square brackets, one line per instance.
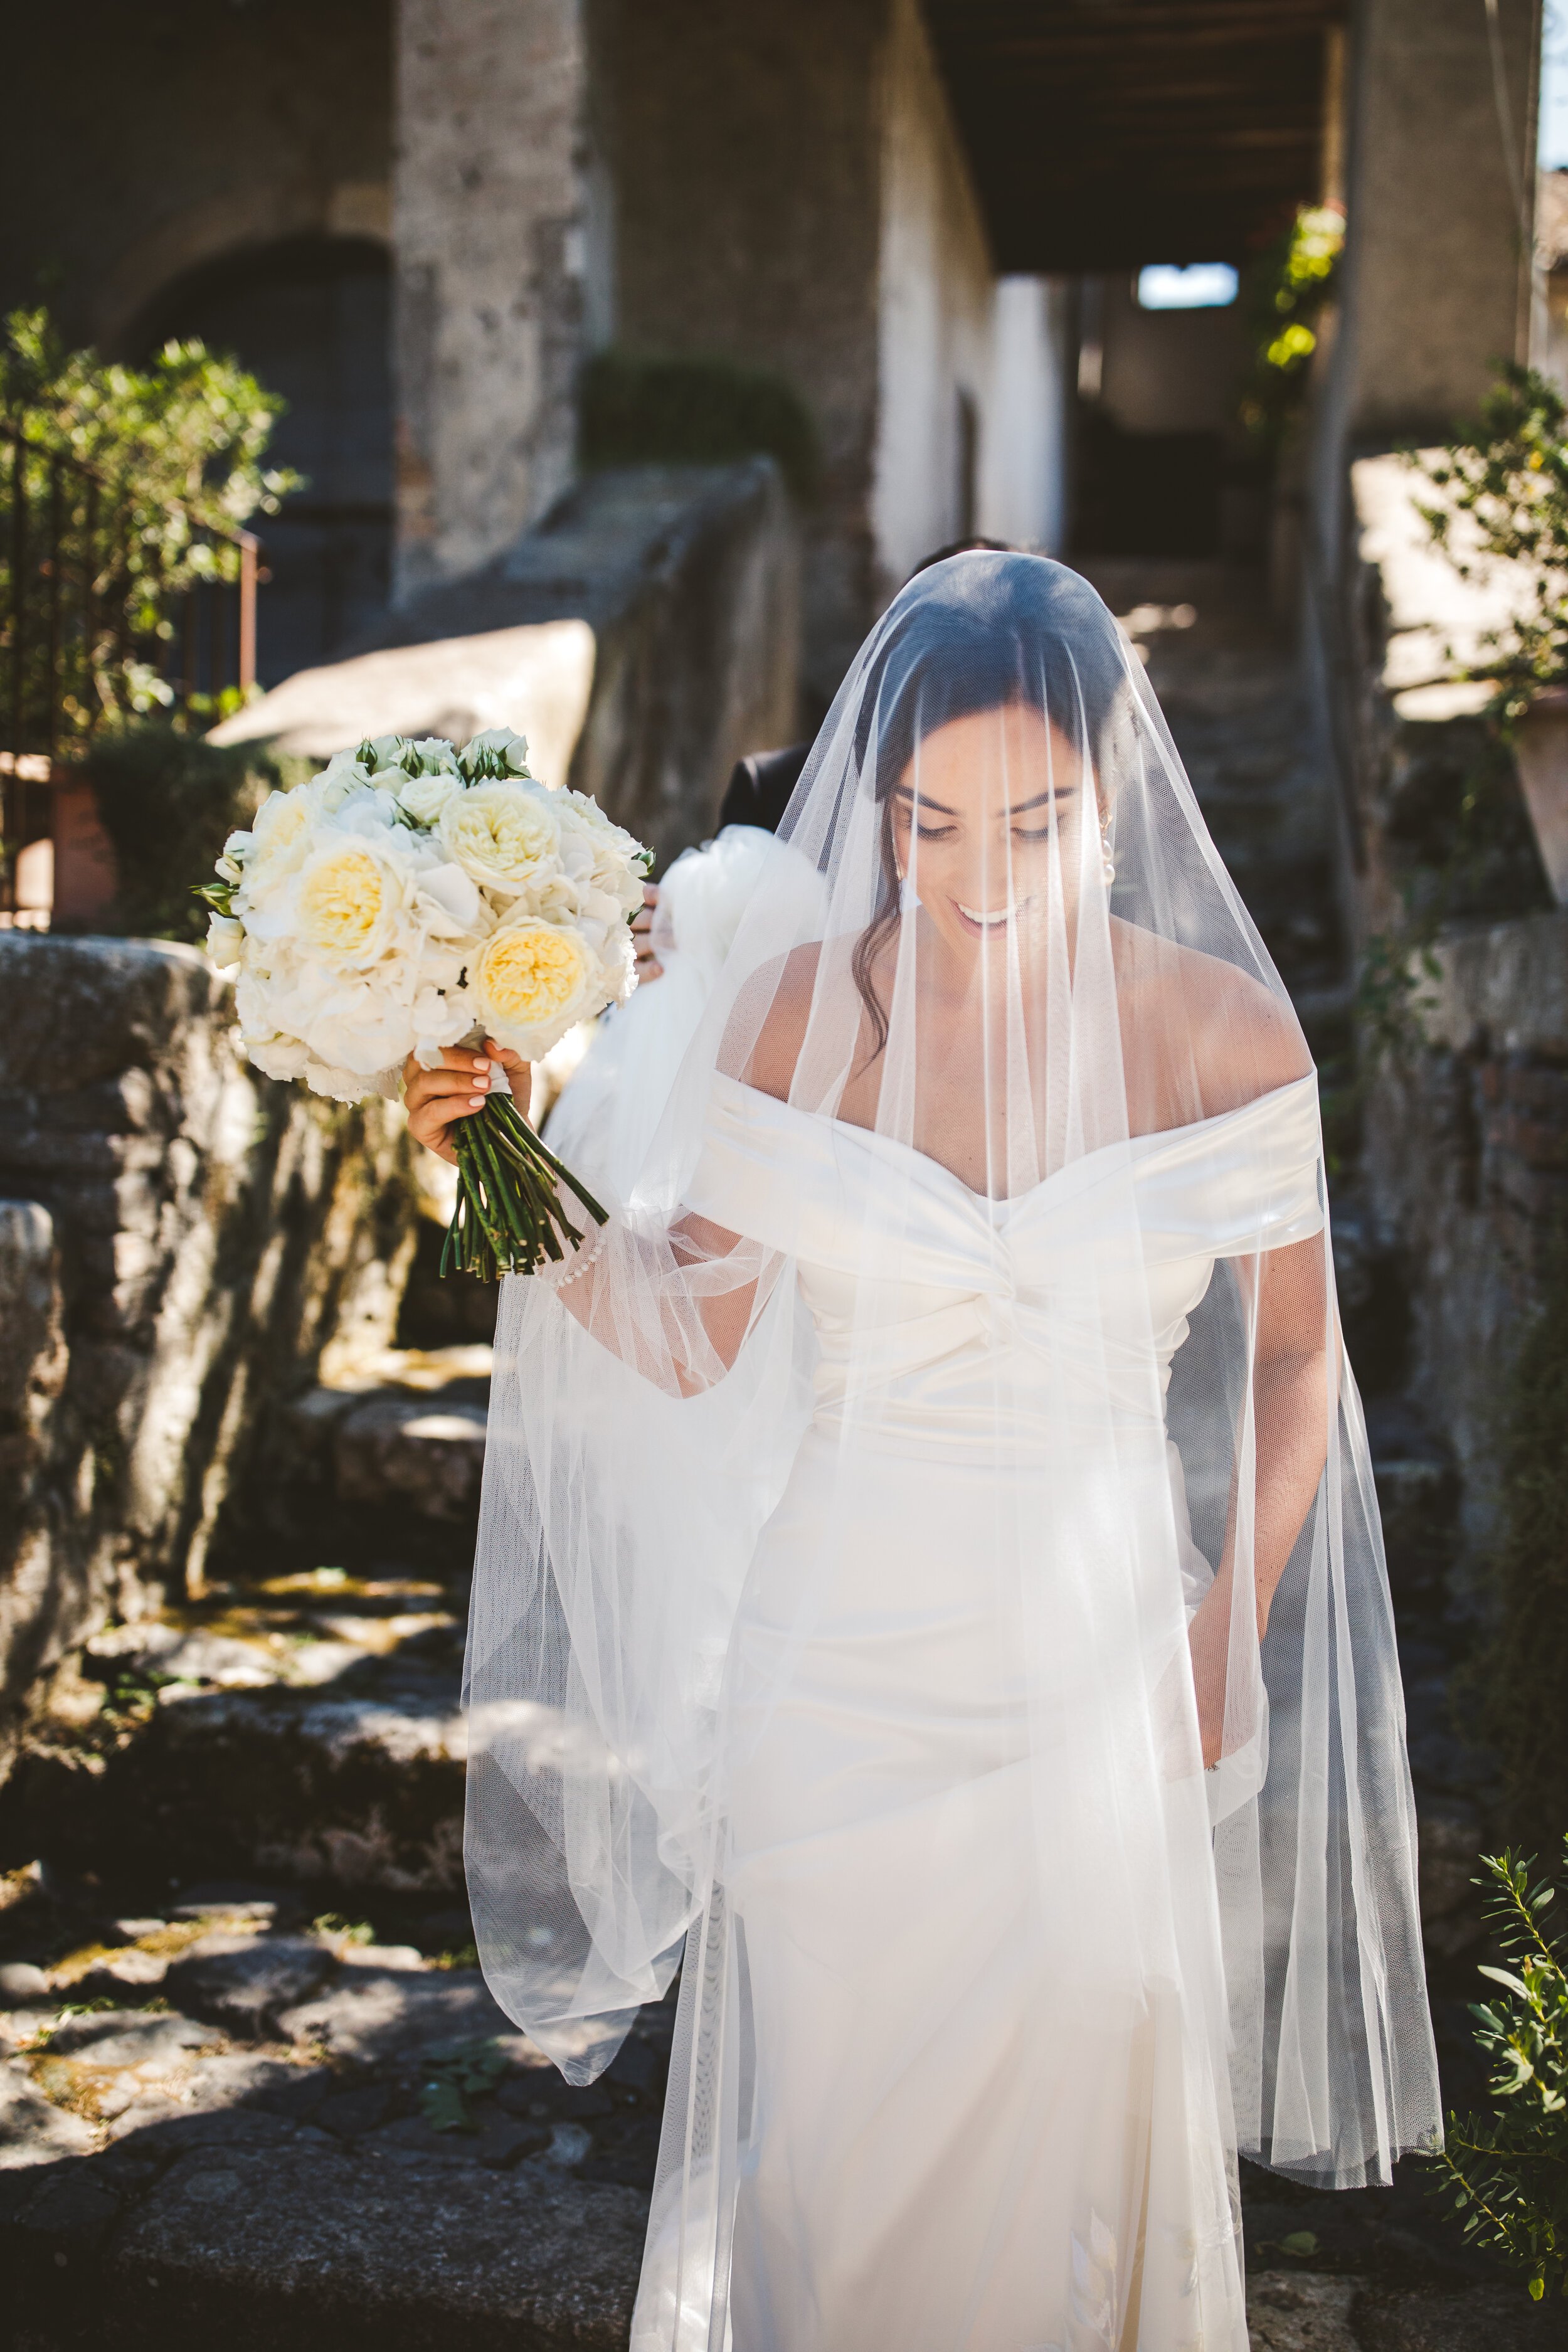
[505, 834]
[531, 981]
[349, 897]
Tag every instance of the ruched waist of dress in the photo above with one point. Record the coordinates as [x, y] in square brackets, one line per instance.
[981, 1366]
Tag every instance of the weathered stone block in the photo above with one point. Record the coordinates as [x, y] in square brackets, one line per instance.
[682, 586]
[428, 1452]
[318, 2248]
[184, 1242]
[245, 1981]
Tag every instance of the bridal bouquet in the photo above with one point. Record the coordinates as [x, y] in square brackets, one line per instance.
[413, 897]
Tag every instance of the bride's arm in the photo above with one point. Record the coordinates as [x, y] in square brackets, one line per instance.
[1291, 1401]
[700, 1329]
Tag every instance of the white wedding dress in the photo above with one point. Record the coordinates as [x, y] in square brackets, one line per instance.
[956, 2150]
[849, 1536]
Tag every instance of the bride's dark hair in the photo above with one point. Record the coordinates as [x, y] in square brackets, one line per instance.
[977, 633]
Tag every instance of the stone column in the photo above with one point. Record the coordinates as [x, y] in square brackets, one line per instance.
[1435, 282]
[489, 227]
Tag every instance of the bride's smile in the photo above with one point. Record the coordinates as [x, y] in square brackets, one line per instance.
[987, 827]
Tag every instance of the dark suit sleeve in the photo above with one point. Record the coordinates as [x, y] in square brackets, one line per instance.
[761, 788]
[740, 802]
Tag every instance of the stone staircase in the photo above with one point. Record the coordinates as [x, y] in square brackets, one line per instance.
[250, 2078]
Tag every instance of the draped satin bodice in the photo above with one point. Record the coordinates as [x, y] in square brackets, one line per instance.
[941, 1312]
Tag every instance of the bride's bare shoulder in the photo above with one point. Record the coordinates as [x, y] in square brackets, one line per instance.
[771, 1014]
[1239, 1037]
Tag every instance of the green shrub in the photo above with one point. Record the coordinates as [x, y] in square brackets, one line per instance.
[179, 447]
[1508, 471]
[636, 409]
[1284, 292]
[1508, 2175]
[168, 802]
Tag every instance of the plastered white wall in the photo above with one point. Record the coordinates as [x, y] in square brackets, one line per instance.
[949, 332]
[1024, 442]
[934, 307]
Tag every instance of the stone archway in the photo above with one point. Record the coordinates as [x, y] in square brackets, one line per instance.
[310, 315]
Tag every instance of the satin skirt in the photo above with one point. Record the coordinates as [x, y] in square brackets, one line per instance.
[970, 2112]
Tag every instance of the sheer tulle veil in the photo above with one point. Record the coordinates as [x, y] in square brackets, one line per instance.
[992, 971]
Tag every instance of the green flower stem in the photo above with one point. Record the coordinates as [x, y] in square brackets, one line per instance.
[509, 1215]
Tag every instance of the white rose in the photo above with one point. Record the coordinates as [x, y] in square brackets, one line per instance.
[281, 834]
[511, 749]
[435, 756]
[532, 980]
[385, 751]
[226, 941]
[236, 850]
[347, 896]
[617, 859]
[424, 797]
[504, 835]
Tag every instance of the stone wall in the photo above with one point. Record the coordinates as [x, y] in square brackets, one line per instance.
[936, 296]
[213, 131]
[1465, 1119]
[1434, 280]
[180, 1242]
[644, 636]
[1465, 1162]
[746, 163]
[489, 231]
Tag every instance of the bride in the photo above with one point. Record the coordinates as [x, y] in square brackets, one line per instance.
[929, 1584]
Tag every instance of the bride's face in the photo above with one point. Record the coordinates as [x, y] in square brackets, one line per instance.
[988, 819]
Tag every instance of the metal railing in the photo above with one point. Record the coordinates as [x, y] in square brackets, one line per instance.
[99, 614]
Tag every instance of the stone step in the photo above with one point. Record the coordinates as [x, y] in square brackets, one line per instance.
[307, 1725]
[402, 1431]
[315, 2140]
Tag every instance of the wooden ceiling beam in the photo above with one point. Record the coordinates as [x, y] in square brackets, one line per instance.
[1146, 112]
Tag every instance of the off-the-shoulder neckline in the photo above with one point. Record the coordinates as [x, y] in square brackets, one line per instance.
[1137, 1145]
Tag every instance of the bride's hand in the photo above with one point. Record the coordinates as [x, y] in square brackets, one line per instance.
[436, 1100]
[1208, 1638]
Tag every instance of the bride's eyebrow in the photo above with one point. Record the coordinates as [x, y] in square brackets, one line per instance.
[912, 793]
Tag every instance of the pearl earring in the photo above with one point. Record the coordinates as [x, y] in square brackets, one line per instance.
[1107, 863]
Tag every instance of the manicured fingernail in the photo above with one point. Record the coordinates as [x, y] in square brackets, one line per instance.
[480, 1063]
[478, 1103]
[481, 1082]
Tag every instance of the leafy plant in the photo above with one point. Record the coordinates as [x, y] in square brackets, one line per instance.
[1507, 2176]
[346, 1931]
[1285, 290]
[638, 409]
[1508, 471]
[192, 428]
[179, 448]
[456, 2073]
[168, 802]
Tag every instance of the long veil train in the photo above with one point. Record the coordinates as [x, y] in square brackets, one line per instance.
[929, 1576]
